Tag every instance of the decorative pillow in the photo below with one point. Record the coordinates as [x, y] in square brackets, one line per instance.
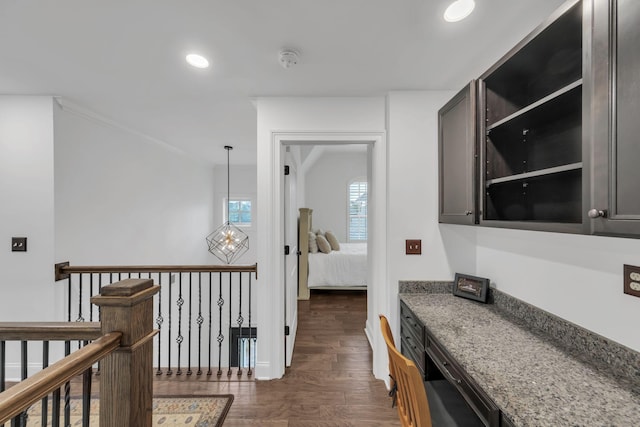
[319, 231]
[313, 244]
[323, 245]
[333, 240]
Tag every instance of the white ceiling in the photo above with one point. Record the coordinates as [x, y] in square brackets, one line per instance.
[124, 59]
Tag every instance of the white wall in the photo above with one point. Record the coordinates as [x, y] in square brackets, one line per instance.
[26, 188]
[413, 186]
[243, 184]
[578, 278]
[326, 189]
[124, 199]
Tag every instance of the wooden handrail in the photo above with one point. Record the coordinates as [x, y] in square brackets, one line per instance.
[49, 331]
[63, 269]
[19, 397]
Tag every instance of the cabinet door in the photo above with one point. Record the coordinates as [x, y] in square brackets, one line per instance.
[457, 157]
[615, 205]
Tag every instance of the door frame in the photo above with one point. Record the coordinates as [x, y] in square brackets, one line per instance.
[271, 357]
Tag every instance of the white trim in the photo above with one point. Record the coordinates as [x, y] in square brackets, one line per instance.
[271, 293]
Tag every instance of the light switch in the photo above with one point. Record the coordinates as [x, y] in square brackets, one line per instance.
[413, 247]
[18, 244]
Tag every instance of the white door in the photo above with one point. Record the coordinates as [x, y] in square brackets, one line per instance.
[290, 261]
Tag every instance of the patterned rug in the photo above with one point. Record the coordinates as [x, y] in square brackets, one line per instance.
[200, 411]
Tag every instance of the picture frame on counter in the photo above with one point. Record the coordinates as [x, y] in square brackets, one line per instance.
[471, 287]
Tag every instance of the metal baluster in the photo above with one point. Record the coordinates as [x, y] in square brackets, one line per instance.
[179, 338]
[90, 295]
[200, 321]
[55, 408]
[99, 291]
[3, 362]
[169, 371]
[86, 395]
[67, 390]
[229, 346]
[45, 400]
[159, 321]
[210, 304]
[80, 318]
[220, 336]
[250, 337]
[189, 333]
[69, 298]
[240, 321]
[24, 353]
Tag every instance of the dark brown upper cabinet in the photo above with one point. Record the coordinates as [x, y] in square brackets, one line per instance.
[615, 133]
[558, 130]
[531, 127]
[457, 158]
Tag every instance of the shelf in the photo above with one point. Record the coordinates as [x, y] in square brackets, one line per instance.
[554, 96]
[541, 172]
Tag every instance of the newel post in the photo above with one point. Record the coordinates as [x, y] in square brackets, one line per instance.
[126, 376]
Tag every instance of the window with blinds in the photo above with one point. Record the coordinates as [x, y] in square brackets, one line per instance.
[357, 220]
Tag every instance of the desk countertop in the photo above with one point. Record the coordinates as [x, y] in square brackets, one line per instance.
[533, 382]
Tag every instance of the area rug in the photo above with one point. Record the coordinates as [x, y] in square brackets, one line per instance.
[196, 411]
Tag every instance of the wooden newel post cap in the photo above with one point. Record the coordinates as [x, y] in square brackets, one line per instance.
[126, 292]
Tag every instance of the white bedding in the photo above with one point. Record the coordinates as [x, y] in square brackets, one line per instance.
[346, 267]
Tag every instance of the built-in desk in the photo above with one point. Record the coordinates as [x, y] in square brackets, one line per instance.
[529, 380]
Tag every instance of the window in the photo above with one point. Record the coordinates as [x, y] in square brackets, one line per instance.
[357, 221]
[240, 212]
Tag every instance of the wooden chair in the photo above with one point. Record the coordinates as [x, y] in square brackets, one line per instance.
[386, 332]
[413, 407]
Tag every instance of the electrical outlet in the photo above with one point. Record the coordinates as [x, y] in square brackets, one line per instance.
[632, 280]
[413, 247]
[18, 244]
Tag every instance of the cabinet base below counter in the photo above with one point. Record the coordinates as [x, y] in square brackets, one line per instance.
[521, 372]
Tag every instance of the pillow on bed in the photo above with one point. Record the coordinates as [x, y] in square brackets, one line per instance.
[313, 244]
[319, 231]
[323, 244]
[333, 240]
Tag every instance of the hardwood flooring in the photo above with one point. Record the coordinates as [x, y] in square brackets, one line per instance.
[329, 383]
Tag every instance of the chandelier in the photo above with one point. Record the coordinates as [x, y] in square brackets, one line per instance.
[228, 242]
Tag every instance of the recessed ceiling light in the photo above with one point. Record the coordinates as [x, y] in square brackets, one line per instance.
[458, 10]
[197, 61]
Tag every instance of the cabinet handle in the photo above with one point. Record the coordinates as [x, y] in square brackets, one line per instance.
[596, 213]
[468, 212]
[454, 379]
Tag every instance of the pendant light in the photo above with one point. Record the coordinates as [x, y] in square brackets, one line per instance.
[228, 242]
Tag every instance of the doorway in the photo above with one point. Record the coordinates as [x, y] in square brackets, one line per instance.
[322, 177]
[271, 292]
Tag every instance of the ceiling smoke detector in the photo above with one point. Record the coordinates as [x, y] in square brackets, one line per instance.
[288, 58]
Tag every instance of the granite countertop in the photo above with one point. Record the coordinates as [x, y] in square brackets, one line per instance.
[532, 381]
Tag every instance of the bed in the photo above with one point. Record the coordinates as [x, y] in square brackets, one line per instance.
[344, 269]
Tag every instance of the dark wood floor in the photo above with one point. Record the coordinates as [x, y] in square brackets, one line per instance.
[329, 383]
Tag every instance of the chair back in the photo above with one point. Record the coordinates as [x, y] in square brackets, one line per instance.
[413, 407]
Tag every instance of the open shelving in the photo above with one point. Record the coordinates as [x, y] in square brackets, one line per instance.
[532, 127]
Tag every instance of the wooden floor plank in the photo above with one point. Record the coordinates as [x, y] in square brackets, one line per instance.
[329, 384]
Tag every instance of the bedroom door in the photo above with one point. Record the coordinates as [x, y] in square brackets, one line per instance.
[290, 258]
